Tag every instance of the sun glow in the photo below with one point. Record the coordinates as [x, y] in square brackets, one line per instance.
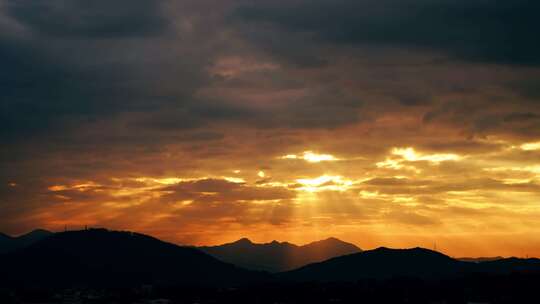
[79, 187]
[410, 154]
[530, 146]
[531, 169]
[324, 183]
[236, 180]
[311, 157]
[57, 188]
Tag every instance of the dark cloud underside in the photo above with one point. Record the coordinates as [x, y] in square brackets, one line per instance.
[477, 30]
[90, 19]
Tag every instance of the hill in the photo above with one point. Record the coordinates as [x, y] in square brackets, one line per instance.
[5, 242]
[480, 259]
[381, 263]
[10, 244]
[279, 256]
[384, 263]
[100, 257]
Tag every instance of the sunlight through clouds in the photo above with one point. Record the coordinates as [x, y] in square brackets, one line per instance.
[409, 154]
[324, 183]
[531, 146]
[401, 155]
[311, 157]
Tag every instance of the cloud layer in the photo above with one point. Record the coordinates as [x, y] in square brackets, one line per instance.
[383, 122]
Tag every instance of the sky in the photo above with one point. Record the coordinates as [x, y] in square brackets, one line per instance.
[396, 123]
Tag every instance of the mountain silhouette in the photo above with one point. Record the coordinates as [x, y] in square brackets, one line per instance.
[10, 244]
[385, 263]
[381, 263]
[480, 259]
[102, 257]
[5, 242]
[99, 257]
[279, 256]
[510, 265]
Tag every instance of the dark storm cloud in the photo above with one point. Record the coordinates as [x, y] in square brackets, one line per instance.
[325, 108]
[477, 30]
[71, 63]
[40, 92]
[489, 116]
[66, 70]
[94, 19]
[528, 87]
[283, 98]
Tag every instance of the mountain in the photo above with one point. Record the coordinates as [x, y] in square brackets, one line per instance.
[5, 241]
[32, 237]
[509, 265]
[102, 257]
[10, 244]
[480, 259]
[381, 263]
[278, 257]
[385, 263]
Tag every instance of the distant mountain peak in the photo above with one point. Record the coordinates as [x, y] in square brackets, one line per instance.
[414, 251]
[332, 239]
[278, 256]
[38, 232]
[34, 236]
[243, 241]
[335, 243]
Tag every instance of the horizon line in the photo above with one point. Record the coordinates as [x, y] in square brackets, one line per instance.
[435, 249]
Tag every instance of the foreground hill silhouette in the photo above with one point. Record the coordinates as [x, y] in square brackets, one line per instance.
[9, 243]
[279, 256]
[102, 257]
[99, 257]
[480, 259]
[385, 263]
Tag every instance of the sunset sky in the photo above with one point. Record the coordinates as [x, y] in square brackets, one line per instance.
[396, 123]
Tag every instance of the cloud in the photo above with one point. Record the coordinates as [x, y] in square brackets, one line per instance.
[517, 118]
[96, 19]
[74, 63]
[222, 191]
[171, 109]
[393, 182]
[411, 218]
[415, 187]
[471, 30]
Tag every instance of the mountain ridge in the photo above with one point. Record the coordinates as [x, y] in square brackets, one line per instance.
[417, 262]
[100, 256]
[277, 256]
[13, 243]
